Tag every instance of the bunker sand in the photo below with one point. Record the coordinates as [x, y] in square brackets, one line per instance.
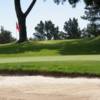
[48, 88]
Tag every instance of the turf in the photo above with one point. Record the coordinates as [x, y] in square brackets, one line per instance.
[62, 68]
[50, 58]
[64, 57]
[52, 48]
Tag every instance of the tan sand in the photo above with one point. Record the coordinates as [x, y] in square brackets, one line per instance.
[48, 88]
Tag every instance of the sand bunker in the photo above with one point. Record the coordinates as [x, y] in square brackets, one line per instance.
[48, 88]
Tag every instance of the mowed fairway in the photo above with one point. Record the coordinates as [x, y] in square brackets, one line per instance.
[51, 58]
[76, 65]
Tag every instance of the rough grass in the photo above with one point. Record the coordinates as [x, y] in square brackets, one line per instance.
[71, 68]
[52, 48]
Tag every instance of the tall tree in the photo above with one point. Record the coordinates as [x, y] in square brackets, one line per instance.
[92, 14]
[91, 2]
[23, 15]
[5, 36]
[40, 34]
[71, 28]
[87, 2]
[51, 31]
[22, 18]
[47, 30]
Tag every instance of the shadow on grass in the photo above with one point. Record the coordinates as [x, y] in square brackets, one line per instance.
[44, 73]
[73, 47]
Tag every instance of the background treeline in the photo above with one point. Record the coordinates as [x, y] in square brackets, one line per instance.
[71, 30]
[5, 36]
[47, 30]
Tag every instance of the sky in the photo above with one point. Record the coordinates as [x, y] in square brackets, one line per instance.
[47, 10]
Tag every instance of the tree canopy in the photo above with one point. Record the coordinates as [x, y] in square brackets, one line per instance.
[74, 2]
[46, 30]
[72, 29]
[22, 15]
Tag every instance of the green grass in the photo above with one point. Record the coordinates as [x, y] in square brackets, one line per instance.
[52, 48]
[61, 67]
[79, 56]
[50, 58]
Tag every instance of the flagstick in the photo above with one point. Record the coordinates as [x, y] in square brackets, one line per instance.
[17, 28]
[16, 32]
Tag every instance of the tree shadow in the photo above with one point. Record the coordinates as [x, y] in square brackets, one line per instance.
[73, 47]
[26, 47]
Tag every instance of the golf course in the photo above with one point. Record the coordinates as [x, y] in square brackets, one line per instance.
[76, 57]
[50, 50]
[50, 70]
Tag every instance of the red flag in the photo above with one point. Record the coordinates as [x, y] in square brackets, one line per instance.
[17, 27]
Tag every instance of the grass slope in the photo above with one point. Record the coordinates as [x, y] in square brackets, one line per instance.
[51, 48]
[61, 68]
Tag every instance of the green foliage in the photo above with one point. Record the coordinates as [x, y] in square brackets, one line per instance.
[91, 2]
[50, 48]
[92, 30]
[23, 15]
[59, 1]
[39, 34]
[47, 31]
[5, 36]
[71, 28]
[72, 2]
[92, 14]
[84, 68]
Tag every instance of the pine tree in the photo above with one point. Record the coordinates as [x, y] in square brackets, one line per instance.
[92, 14]
[72, 29]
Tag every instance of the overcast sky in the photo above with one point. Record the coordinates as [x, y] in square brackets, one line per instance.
[58, 14]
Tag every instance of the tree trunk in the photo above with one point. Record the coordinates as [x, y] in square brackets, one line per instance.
[22, 29]
[22, 19]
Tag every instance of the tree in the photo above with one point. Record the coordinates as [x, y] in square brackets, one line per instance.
[21, 16]
[56, 34]
[51, 31]
[22, 19]
[71, 28]
[46, 30]
[92, 30]
[5, 36]
[92, 14]
[62, 35]
[91, 2]
[87, 2]
[39, 34]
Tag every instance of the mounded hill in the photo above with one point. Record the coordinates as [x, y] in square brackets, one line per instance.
[52, 48]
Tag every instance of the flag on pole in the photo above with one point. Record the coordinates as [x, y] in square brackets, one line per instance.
[17, 27]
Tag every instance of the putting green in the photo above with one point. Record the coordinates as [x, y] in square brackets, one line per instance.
[51, 58]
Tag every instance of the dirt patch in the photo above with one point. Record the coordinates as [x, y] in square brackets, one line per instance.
[48, 88]
[12, 72]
